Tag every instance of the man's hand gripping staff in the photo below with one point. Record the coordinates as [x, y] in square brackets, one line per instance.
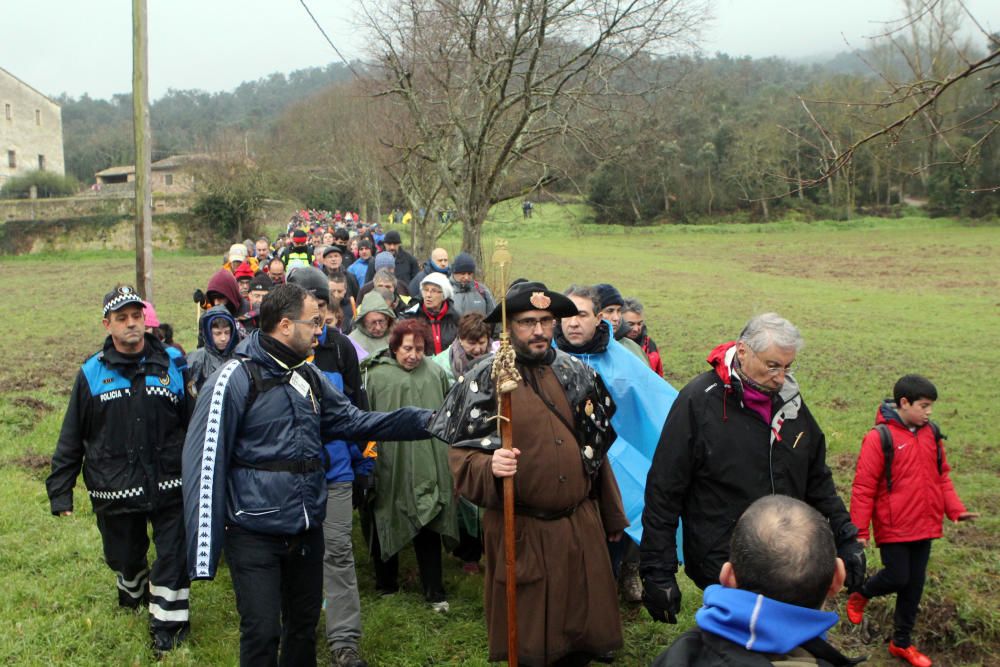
[504, 464]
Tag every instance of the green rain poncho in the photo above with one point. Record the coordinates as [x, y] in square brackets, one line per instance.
[372, 303]
[413, 483]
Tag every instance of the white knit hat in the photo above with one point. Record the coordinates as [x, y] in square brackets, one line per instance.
[440, 280]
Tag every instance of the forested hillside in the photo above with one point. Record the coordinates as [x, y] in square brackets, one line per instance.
[716, 135]
[98, 133]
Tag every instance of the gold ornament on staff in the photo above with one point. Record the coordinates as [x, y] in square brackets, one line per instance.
[506, 378]
[504, 372]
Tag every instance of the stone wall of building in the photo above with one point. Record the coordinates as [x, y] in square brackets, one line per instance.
[58, 208]
[107, 223]
[30, 130]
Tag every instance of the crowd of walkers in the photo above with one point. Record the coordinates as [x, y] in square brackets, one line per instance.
[337, 379]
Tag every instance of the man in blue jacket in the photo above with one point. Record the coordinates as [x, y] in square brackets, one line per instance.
[255, 481]
[768, 611]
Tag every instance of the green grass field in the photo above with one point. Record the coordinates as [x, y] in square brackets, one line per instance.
[874, 298]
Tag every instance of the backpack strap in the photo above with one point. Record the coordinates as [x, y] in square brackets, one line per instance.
[888, 451]
[259, 385]
[938, 437]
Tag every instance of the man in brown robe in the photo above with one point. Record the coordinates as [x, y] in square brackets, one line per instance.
[567, 499]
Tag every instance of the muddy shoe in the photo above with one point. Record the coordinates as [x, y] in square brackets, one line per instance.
[911, 655]
[856, 603]
[346, 657]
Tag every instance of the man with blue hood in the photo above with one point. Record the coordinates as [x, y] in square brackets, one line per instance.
[767, 611]
[643, 399]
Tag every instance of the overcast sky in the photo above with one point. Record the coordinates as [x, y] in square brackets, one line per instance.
[67, 46]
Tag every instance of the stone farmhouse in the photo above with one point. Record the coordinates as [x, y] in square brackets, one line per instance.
[173, 175]
[31, 136]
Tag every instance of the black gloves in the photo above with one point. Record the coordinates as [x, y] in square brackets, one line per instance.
[662, 599]
[853, 555]
[359, 490]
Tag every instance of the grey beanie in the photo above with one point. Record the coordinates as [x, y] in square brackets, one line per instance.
[385, 260]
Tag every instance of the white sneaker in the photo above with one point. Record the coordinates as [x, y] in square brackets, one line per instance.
[440, 607]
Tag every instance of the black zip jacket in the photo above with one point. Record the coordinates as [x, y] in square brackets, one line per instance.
[714, 458]
[125, 427]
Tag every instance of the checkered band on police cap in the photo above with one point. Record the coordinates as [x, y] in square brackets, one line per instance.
[120, 297]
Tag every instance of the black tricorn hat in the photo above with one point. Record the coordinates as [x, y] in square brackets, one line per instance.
[527, 295]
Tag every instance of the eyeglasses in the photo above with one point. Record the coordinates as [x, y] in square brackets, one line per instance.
[635, 324]
[772, 367]
[529, 323]
[315, 323]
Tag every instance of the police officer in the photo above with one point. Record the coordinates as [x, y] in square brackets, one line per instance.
[125, 427]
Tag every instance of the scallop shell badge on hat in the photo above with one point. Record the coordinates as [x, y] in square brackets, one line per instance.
[540, 301]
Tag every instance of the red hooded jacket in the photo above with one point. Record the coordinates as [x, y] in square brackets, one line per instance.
[652, 352]
[920, 496]
[223, 282]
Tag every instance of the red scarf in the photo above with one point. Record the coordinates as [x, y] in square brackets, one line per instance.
[435, 321]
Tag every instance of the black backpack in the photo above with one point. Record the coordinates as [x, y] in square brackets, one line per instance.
[888, 450]
[259, 385]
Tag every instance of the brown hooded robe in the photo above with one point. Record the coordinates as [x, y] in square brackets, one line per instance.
[567, 597]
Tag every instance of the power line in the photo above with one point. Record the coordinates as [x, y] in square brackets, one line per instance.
[328, 40]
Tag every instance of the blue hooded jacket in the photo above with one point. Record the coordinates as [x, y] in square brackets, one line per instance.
[207, 359]
[643, 400]
[758, 623]
[359, 269]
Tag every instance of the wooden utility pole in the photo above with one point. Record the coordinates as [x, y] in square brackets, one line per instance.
[143, 158]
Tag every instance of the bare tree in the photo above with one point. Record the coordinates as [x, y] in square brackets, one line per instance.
[485, 84]
[328, 143]
[938, 86]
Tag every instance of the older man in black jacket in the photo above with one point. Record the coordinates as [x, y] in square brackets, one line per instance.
[735, 434]
[254, 479]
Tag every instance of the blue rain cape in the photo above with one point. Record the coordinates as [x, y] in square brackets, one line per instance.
[643, 400]
[758, 623]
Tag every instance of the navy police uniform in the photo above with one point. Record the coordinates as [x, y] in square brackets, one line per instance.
[125, 428]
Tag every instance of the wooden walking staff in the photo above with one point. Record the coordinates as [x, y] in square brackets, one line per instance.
[506, 378]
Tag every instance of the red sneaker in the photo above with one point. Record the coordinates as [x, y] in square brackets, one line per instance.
[911, 655]
[856, 603]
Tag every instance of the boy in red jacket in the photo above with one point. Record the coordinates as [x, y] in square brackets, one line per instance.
[906, 502]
